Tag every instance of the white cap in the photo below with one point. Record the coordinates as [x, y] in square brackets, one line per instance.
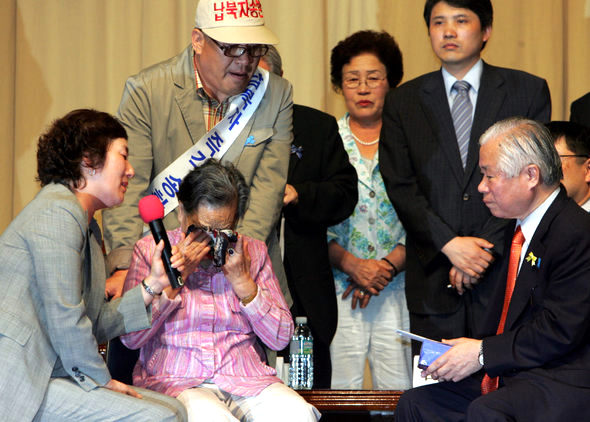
[301, 320]
[234, 22]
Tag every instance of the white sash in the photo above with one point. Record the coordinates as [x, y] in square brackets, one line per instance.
[213, 144]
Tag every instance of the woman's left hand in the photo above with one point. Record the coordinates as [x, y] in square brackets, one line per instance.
[237, 269]
[359, 295]
[157, 278]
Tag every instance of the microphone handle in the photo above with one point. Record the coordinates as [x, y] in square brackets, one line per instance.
[159, 233]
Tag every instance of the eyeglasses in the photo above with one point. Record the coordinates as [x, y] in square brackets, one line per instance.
[574, 155]
[372, 81]
[237, 50]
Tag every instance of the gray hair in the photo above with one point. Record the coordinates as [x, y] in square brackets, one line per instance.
[215, 184]
[274, 61]
[524, 142]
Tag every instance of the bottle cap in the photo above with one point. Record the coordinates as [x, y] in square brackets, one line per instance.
[301, 320]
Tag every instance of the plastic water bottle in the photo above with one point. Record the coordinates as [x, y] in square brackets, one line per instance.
[301, 356]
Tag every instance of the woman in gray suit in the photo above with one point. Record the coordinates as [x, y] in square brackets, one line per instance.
[53, 313]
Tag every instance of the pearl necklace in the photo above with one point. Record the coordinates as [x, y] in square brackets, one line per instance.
[363, 142]
[367, 144]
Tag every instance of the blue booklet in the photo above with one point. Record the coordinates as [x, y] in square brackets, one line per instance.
[430, 350]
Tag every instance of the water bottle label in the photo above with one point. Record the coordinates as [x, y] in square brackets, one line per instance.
[307, 347]
[301, 346]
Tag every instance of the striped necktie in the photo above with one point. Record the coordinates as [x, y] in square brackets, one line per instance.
[461, 113]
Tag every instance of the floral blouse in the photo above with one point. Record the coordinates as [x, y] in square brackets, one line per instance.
[373, 230]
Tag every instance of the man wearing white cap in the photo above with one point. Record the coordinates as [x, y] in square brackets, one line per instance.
[211, 100]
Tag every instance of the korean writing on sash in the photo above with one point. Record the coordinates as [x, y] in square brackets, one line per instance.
[246, 97]
[170, 184]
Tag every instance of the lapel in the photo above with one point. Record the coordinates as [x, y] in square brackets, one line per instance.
[185, 95]
[93, 266]
[293, 163]
[530, 275]
[489, 101]
[261, 133]
[298, 141]
[434, 102]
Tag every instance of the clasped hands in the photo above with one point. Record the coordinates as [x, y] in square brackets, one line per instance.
[368, 277]
[470, 257]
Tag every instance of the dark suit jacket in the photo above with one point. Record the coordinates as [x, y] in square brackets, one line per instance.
[326, 183]
[547, 330]
[580, 110]
[435, 199]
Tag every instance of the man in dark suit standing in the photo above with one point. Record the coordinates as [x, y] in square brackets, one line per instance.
[429, 157]
[572, 142]
[580, 110]
[533, 363]
[321, 191]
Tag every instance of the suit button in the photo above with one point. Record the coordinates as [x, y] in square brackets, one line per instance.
[75, 369]
[371, 248]
[466, 197]
[371, 194]
[371, 220]
[82, 378]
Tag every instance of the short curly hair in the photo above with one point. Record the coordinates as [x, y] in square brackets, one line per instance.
[381, 44]
[82, 134]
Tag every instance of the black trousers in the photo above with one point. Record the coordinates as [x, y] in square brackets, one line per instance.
[525, 397]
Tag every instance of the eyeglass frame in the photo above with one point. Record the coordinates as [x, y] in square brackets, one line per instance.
[370, 83]
[247, 48]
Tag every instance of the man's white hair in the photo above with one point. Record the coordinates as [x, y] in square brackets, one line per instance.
[524, 142]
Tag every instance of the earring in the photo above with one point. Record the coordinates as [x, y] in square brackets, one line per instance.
[92, 172]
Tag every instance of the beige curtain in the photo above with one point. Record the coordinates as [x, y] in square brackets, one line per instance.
[64, 54]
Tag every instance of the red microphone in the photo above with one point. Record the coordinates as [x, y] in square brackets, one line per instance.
[151, 211]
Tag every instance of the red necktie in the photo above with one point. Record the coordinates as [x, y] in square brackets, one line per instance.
[491, 384]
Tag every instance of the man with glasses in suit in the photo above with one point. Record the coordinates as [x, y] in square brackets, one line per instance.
[572, 142]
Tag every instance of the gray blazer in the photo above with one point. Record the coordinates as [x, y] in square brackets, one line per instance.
[53, 313]
[164, 117]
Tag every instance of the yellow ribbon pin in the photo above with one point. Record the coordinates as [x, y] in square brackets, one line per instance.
[531, 258]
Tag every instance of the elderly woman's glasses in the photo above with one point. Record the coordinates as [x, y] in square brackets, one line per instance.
[237, 50]
[373, 80]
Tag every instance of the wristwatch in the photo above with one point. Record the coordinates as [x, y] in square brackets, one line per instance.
[480, 355]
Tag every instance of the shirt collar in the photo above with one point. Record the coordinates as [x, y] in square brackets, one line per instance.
[201, 90]
[531, 222]
[473, 77]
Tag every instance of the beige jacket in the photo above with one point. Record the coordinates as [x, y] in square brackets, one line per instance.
[163, 118]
